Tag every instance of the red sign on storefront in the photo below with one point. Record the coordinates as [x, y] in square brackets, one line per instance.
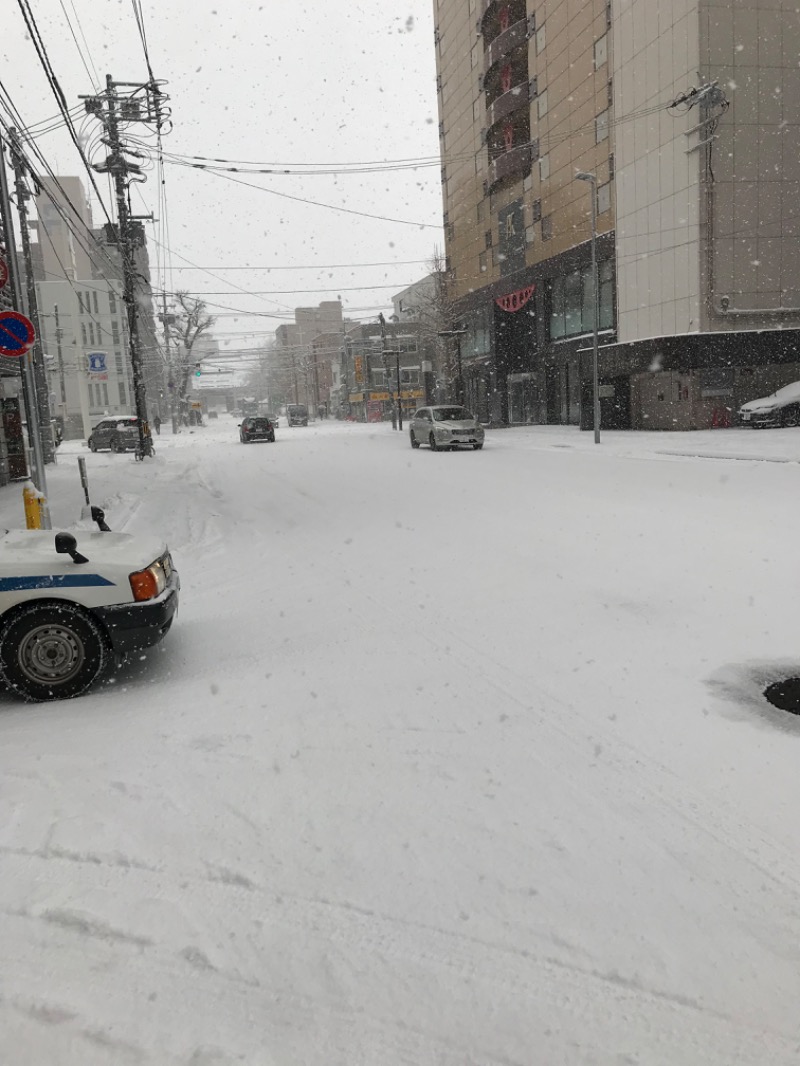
[515, 301]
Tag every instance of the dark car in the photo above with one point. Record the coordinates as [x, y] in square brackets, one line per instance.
[117, 434]
[296, 414]
[256, 428]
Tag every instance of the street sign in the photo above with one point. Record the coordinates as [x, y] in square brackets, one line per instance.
[97, 368]
[17, 335]
[3, 273]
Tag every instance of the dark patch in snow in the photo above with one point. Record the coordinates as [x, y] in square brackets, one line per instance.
[785, 695]
[92, 927]
[741, 687]
[197, 958]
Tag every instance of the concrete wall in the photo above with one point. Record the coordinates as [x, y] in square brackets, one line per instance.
[656, 58]
[753, 50]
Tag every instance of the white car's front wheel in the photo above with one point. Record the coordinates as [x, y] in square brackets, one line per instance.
[52, 651]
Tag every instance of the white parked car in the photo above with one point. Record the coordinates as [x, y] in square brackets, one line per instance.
[444, 427]
[68, 608]
[782, 408]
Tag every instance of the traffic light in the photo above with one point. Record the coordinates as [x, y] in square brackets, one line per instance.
[197, 370]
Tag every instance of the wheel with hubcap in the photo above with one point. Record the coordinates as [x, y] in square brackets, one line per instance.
[52, 652]
[791, 417]
[92, 446]
[433, 444]
[414, 441]
[477, 447]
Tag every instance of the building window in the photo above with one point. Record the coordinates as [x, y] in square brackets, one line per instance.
[541, 39]
[105, 395]
[571, 303]
[536, 211]
[115, 332]
[410, 376]
[600, 51]
[94, 296]
[91, 333]
[544, 168]
[80, 302]
[112, 303]
[603, 198]
[547, 228]
[487, 237]
[530, 234]
[541, 103]
[83, 333]
[601, 127]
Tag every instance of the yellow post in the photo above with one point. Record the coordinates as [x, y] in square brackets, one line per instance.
[34, 505]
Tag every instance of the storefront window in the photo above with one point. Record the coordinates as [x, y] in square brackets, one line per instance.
[572, 304]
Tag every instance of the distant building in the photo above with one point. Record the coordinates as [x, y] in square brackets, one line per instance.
[298, 369]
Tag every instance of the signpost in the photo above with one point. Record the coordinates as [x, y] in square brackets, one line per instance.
[3, 273]
[17, 335]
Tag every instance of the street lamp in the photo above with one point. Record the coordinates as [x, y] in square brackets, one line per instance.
[458, 334]
[592, 179]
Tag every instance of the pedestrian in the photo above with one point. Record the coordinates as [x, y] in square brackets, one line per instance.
[157, 423]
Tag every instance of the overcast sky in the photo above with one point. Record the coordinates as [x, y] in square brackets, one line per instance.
[278, 82]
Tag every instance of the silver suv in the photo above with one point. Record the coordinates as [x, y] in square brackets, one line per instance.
[445, 427]
[119, 434]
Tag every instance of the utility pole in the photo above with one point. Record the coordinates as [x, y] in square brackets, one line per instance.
[14, 283]
[36, 354]
[386, 372]
[457, 334]
[26, 368]
[167, 320]
[59, 336]
[111, 109]
[120, 168]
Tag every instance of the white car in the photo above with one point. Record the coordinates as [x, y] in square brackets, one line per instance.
[68, 608]
[782, 408]
[444, 427]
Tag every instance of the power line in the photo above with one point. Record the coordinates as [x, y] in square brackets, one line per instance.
[315, 266]
[313, 203]
[44, 59]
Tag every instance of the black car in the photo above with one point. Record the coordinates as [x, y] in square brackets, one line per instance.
[119, 434]
[256, 428]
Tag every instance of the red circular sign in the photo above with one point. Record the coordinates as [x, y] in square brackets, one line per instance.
[3, 273]
[17, 335]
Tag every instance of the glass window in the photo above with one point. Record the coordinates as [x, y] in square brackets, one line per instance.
[105, 395]
[606, 272]
[123, 396]
[80, 302]
[573, 303]
[601, 127]
[83, 334]
[557, 328]
[587, 310]
[112, 303]
[600, 51]
[96, 308]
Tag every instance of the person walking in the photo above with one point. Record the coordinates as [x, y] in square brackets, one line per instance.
[157, 423]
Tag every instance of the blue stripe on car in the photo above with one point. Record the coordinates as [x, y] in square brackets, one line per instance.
[52, 581]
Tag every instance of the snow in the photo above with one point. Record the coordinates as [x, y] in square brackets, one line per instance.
[449, 759]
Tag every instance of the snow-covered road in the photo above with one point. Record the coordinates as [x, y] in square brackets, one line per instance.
[450, 760]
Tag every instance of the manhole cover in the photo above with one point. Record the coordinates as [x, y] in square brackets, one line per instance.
[785, 695]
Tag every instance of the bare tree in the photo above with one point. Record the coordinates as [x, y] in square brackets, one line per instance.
[190, 320]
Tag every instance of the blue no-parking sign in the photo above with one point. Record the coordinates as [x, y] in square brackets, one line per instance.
[17, 335]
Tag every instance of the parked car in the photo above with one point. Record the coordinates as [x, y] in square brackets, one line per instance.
[66, 613]
[117, 434]
[445, 427]
[781, 408]
[256, 428]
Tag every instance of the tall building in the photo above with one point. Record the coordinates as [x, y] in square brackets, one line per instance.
[684, 115]
[78, 271]
[299, 368]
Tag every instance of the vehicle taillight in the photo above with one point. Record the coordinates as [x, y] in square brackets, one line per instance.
[149, 583]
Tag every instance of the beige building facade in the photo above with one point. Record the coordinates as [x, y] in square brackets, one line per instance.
[683, 111]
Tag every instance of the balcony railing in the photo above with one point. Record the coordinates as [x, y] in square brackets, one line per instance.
[515, 163]
[503, 45]
[509, 102]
